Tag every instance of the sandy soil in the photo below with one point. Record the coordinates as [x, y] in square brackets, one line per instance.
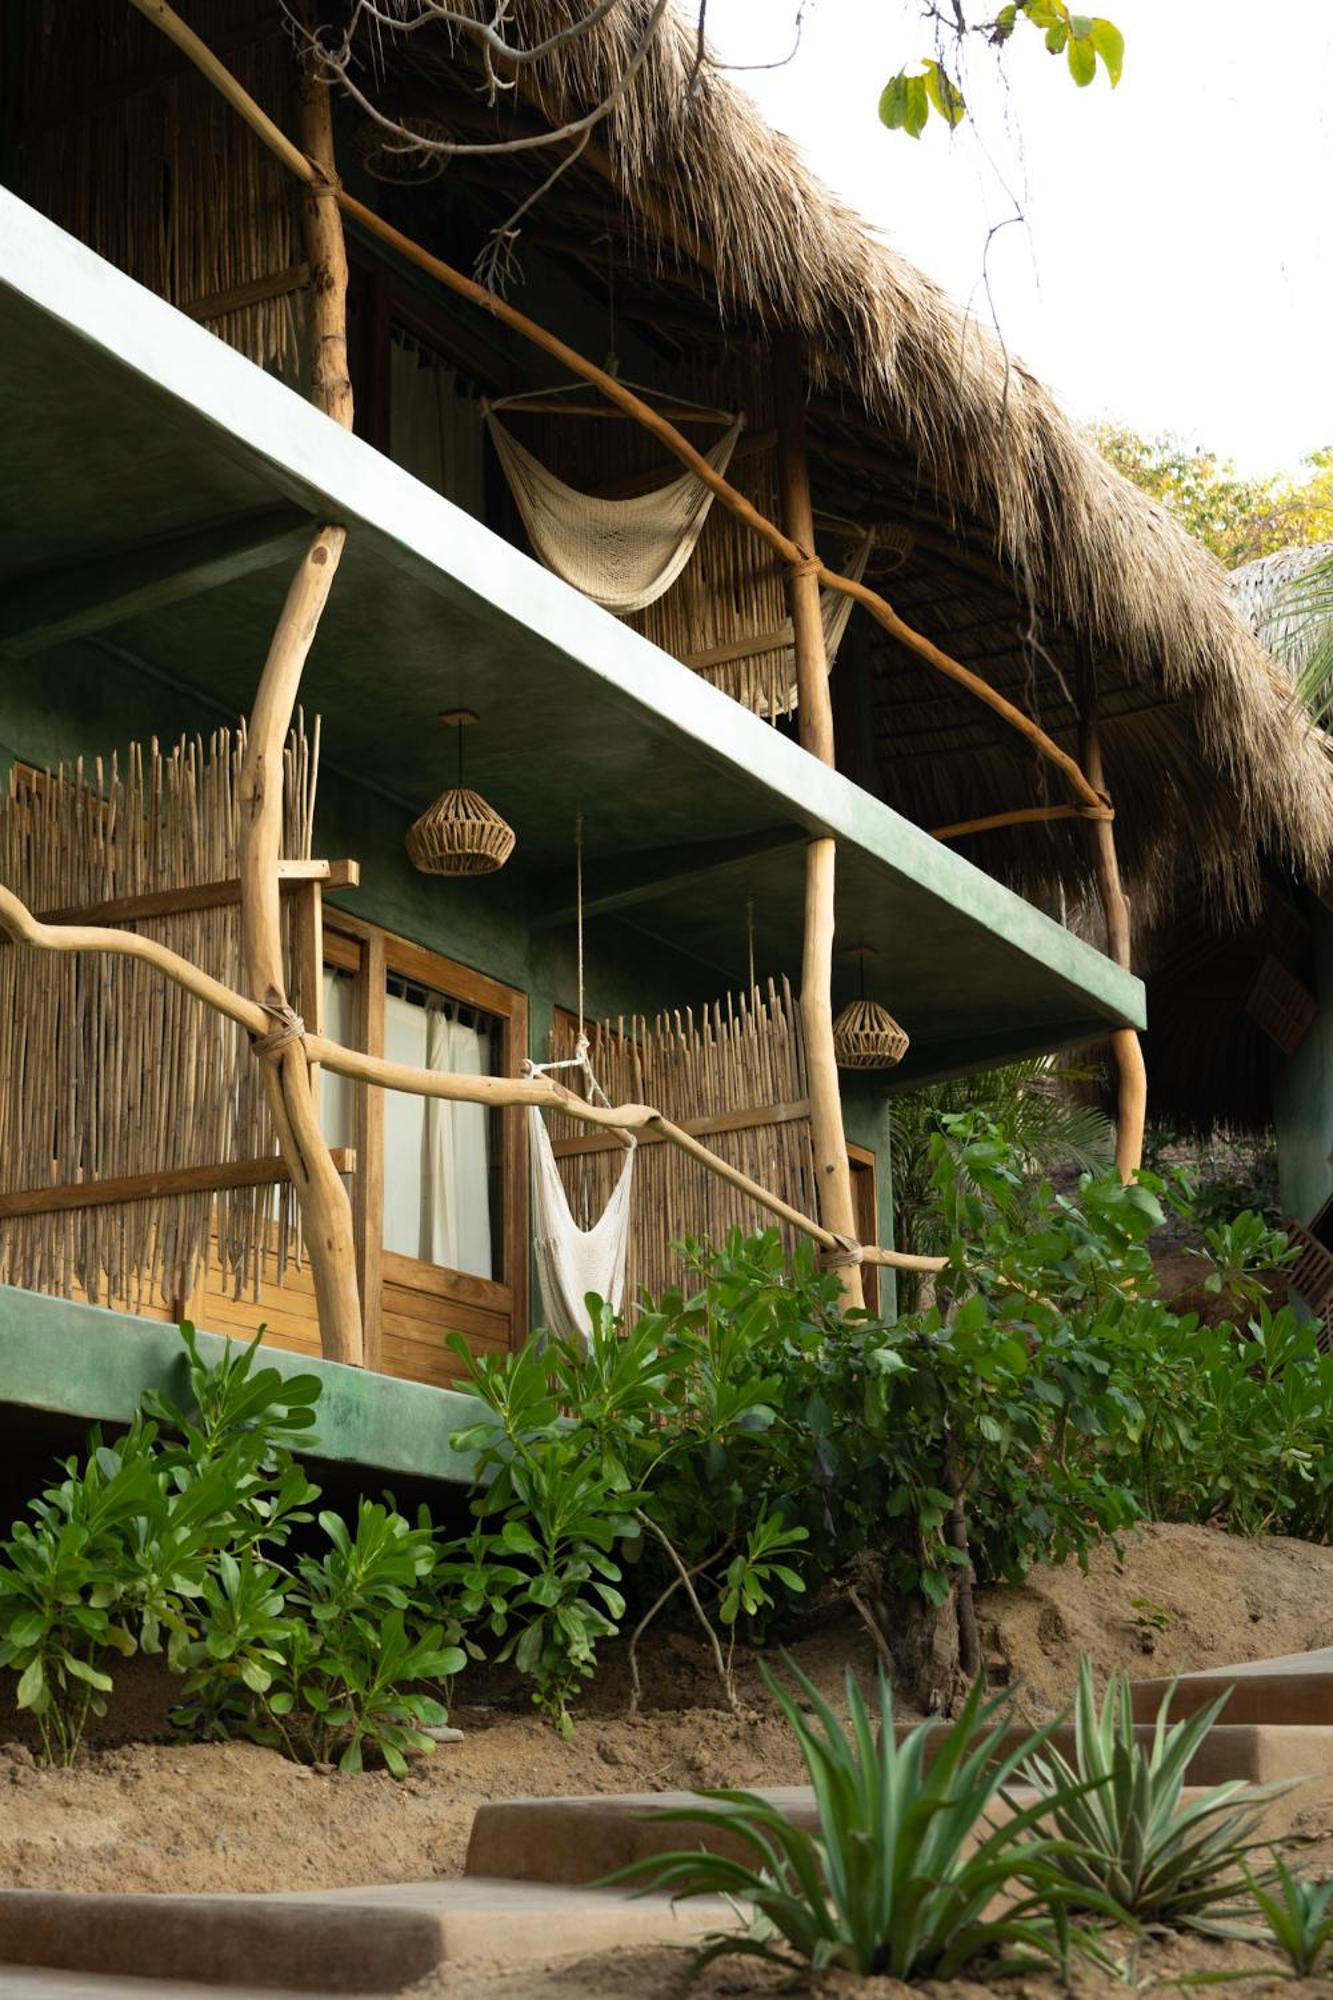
[663, 1975]
[156, 1816]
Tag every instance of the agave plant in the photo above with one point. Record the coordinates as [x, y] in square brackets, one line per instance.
[906, 1876]
[1131, 1838]
[1298, 1917]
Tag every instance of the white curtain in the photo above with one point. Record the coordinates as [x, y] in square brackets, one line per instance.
[435, 427]
[455, 1156]
[437, 1202]
[337, 1094]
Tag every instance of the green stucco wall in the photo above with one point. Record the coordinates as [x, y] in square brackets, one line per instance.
[83, 1362]
[1303, 1095]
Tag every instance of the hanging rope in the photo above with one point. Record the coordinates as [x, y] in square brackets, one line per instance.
[574, 1264]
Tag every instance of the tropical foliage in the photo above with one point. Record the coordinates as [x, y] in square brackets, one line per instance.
[725, 1453]
[1238, 518]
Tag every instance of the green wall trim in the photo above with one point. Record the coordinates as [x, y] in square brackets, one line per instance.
[82, 1361]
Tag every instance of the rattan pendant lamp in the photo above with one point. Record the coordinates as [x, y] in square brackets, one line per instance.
[460, 834]
[865, 1035]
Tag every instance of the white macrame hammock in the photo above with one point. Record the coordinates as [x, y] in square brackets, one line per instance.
[574, 1263]
[624, 554]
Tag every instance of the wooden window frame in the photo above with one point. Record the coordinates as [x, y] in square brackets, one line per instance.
[373, 954]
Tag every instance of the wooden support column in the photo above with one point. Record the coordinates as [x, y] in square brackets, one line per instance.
[326, 253]
[837, 1208]
[326, 1214]
[1131, 1071]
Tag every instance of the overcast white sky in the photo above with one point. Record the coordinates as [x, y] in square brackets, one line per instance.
[1175, 267]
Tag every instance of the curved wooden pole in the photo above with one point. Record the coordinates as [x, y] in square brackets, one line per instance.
[616, 392]
[326, 1213]
[828, 1136]
[18, 922]
[1021, 816]
[1131, 1070]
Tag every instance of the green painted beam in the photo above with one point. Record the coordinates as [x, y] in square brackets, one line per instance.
[69, 602]
[645, 875]
[87, 1363]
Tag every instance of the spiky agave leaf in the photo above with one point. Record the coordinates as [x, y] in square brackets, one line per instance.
[894, 1882]
[1132, 1838]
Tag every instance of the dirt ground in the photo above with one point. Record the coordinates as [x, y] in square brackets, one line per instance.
[662, 1974]
[157, 1816]
[172, 1816]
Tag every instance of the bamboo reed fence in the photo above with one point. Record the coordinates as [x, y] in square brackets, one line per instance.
[112, 1072]
[735, 1076]
[144, 162]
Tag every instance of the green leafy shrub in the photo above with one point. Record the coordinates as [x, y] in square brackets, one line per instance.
[116, 1555]
[178, 1540]
[1046, 1400]
[326, 1662]
[1132, 1841]
[895, 1883]
[1242, 1253]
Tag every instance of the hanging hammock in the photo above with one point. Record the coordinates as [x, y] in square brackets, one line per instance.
[573, 1263]
[624, 554]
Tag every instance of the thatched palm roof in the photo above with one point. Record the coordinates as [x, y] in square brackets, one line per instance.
[1031, 551]
[1267, 596]
[1029, 554]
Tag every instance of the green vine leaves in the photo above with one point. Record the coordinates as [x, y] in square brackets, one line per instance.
[1085, 40]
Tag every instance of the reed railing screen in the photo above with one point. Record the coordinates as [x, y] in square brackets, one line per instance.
[112, 1072]
[734, 1074]
[131, 151]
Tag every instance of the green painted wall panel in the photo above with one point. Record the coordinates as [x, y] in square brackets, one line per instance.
[82, 1361]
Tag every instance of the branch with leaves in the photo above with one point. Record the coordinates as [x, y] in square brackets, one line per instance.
[1084, 40]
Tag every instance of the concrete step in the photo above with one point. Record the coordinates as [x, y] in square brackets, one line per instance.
[575, 1841]
[1292, 1691]
[1256, 1752]
[365, 1941]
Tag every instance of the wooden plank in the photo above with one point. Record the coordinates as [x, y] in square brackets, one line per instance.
[147, 1187]
[516, 1180]
[745, 1120]
[740, 649]
[308, 949]
[434, 1280]
[292, 875]
[273, 285]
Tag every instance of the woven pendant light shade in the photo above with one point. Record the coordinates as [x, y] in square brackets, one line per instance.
[866, 1036]
[460, 835]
